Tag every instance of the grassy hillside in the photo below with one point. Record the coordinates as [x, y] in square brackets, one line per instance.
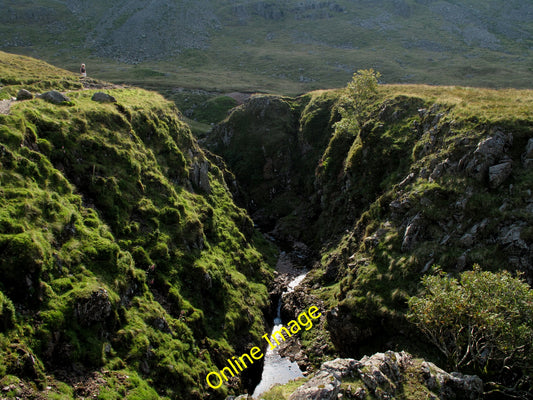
[426, 176]
[127, 270]
[278, 46]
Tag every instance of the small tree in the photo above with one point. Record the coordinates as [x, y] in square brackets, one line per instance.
[360, 91]
[483, 321]
[363, 87]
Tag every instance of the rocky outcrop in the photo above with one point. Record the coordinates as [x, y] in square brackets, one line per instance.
[24, 94]
[102, 97]
[489, 153]
[527, 157]
[93, 309]
[199, 175]
[53, 96]
[411, 233]
[384, 376]
[323, 385]
[499, 173]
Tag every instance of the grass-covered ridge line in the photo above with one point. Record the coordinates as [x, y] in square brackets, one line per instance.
[17, 72]
[122, 249]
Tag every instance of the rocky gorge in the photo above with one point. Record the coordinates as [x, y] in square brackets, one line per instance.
[420, 183]
[137, 259]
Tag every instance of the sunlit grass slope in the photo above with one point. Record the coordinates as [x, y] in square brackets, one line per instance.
[118, 256]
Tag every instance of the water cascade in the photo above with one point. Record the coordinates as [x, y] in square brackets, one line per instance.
[278, 369]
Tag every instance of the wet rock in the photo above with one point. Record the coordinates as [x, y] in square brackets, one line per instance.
[296, 301]
[54, 97]
[102, 97]
[24, 94]
[292, 349]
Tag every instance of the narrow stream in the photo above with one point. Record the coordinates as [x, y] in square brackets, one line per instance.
[278, 369]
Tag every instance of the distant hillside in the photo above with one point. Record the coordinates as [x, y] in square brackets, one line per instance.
[284, 46]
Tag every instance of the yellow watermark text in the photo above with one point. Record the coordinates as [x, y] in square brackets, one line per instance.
[236, 365]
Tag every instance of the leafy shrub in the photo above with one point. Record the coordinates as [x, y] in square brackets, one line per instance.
[363, 87]
[360, 92]
[482, 321]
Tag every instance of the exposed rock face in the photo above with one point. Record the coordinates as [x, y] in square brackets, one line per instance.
[199, 175]
[54, 97]
[488, 153]
[411, 233]
[102, 97]
[24, 94]
[323, 385]
[499, 173]
[94, 309]
[527, 157]
[264, 142]
[383, 375]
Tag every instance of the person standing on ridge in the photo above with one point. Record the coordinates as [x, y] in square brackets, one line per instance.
[83, 71]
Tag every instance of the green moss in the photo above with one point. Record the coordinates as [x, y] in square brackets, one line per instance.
[171, 267]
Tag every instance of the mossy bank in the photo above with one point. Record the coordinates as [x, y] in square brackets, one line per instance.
[127, 269]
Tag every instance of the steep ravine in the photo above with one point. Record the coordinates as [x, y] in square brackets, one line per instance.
[128, 271]
[431, 176]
